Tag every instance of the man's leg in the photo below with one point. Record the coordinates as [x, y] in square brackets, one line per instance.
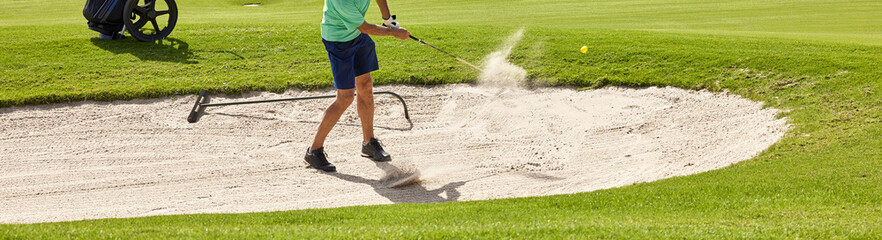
[364, 85]
[371, 147]
[332, 115]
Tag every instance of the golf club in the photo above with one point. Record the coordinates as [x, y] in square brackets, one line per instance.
[448, 54]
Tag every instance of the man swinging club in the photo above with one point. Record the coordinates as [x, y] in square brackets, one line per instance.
[351, 51]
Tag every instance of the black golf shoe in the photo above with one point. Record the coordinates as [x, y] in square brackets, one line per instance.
[318, 160]
[374, 151]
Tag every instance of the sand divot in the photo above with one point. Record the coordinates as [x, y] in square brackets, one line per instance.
[399, 174]
[91, 160]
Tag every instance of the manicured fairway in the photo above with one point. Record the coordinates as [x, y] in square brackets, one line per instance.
[818, 61]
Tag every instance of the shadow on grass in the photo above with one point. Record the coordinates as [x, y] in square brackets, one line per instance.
[166, 50]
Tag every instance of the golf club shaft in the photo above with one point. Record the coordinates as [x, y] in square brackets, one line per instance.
[448, 54]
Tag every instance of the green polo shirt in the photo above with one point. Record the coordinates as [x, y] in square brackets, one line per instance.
[342, 18]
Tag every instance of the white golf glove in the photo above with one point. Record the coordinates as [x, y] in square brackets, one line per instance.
[391, 23]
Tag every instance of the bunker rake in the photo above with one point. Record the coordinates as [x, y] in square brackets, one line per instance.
[201, 104]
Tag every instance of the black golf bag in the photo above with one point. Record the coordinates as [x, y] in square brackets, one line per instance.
[105, 17]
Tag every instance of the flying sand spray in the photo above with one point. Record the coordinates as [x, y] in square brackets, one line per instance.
[405, 173]
[400, 175]
[497, 72]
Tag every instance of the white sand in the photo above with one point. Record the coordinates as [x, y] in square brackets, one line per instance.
[92, 160]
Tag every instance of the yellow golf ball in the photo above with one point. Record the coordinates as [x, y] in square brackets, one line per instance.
[584, 49]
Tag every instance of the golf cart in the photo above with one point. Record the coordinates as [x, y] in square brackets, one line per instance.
[146, 20]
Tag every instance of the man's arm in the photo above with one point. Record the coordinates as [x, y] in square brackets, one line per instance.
[384, 9]
[377, 30]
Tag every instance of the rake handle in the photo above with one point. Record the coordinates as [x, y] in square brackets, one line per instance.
[194, 114]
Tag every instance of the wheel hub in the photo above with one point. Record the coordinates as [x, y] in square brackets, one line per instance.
[143, 23]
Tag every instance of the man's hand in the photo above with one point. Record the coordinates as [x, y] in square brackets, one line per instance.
[377, 30]
[401, 33]
[391, 23]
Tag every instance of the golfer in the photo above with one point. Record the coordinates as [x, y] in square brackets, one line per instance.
[351, 51]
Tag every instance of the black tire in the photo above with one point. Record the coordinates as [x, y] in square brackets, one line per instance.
[147, 23]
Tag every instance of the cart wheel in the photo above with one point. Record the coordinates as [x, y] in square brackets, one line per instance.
[150, 20]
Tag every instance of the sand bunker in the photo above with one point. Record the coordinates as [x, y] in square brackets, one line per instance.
[140, 158]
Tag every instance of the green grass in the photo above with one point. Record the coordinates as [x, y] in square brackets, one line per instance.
[819, 61]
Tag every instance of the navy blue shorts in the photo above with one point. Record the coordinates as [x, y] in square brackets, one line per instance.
[350, 59]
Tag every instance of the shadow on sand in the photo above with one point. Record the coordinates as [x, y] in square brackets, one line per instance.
[414, 193]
